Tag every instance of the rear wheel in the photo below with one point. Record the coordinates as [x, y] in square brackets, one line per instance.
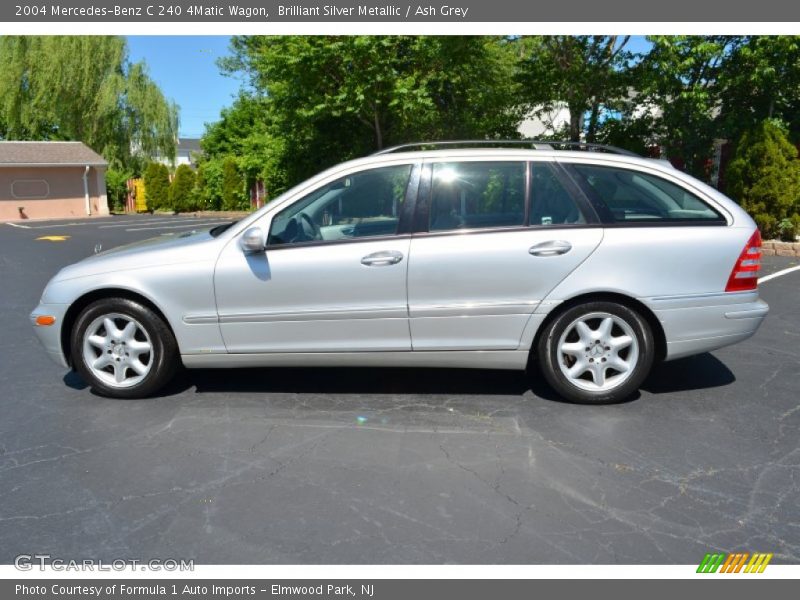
[596, 353]
[123, 349]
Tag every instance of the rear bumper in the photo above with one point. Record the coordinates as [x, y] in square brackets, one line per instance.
[693, 325]
[50, 336]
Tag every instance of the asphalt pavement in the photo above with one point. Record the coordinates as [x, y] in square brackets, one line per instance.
[391, 465]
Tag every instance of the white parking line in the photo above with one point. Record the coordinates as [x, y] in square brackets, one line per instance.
[778, 274]
[151, 222]
[106, 224]
[177, 226]
[54, 226]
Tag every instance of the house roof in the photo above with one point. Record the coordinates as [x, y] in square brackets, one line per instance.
[62, 154]
[189, 145]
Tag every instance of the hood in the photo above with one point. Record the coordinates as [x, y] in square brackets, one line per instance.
[170, 248]
[167, 240]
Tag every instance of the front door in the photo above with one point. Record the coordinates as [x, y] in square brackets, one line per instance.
[333, 277]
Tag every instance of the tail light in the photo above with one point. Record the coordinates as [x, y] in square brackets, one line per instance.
[744, 276]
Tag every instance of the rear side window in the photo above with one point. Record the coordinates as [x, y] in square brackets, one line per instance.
[474, 195]
[633, 196]
[551, 203]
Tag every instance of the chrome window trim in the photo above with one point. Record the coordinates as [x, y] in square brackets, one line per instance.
[318, 243]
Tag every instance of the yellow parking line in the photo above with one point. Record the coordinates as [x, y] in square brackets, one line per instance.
[53, 238]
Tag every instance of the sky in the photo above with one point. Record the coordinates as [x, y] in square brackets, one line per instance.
[185, 69]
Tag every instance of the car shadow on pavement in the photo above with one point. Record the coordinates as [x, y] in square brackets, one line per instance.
[367, 380]
[693, 373]
[74, 381]
[696, 372]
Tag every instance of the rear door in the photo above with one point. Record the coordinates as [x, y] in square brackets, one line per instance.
[491, 239]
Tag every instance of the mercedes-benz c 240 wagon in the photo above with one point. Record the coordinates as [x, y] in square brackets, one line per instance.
[593, 264]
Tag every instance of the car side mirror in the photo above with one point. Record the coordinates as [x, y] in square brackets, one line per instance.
[253, 240]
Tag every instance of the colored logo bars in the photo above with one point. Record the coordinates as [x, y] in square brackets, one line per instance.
[734, 563]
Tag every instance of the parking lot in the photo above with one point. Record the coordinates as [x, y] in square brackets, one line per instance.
[391, 465]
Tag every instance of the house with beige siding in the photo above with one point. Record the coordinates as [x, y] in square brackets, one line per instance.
[51, 180]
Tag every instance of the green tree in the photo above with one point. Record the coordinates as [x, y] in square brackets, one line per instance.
[181, 190]
[764, 177]
[586, 73]
[156, 186]
[314, 101]
[244, 133]
[761, 80]
[687, 91]
[676, 96]
[386, 87]
[233, 197]
[84, 88]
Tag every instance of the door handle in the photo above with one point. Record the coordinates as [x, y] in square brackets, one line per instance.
[382, 259]
[550, 248]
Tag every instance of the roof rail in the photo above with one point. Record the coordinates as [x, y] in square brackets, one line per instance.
[534, 144]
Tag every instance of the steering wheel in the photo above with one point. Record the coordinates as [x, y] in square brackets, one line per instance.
[309, 229]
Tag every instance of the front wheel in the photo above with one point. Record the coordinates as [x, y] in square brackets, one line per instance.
[123, 349]
[596, 353]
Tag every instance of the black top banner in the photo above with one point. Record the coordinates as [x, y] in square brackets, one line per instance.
[455, 11]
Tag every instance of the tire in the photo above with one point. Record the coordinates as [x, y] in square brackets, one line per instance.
[596, 352]
[123, 349]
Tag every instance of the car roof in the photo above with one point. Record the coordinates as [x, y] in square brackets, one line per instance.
[514, 154]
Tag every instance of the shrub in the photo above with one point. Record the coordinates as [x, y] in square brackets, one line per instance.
[117, 189]
[208, 184]
[181, 190]
[233, 197]
[764, 177]
[789, 228]
[156, 186]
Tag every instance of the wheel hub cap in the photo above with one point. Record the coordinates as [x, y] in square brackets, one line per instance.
[117, 350]
[598, 352]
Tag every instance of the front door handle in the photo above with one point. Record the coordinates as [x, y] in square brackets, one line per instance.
[550, 248]
[382, 259]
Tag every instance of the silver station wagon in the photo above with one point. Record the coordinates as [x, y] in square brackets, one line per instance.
[583, 259]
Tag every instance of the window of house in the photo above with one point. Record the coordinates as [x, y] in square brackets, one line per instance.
[30, 189]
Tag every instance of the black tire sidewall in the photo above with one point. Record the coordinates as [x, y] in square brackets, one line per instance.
[164, 353]
[549, 356]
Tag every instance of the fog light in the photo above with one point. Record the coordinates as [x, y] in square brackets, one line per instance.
[45, 320]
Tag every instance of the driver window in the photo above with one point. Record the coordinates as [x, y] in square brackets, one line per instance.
[364, 204]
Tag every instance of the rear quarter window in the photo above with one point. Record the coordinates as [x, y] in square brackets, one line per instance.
[633, 196]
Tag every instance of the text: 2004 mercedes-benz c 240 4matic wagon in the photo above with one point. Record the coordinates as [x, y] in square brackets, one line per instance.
[594, 264]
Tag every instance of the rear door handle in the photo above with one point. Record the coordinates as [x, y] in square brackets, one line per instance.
[382, 259]
[550, 248]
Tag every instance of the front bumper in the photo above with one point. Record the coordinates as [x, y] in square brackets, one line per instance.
[50, 335]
